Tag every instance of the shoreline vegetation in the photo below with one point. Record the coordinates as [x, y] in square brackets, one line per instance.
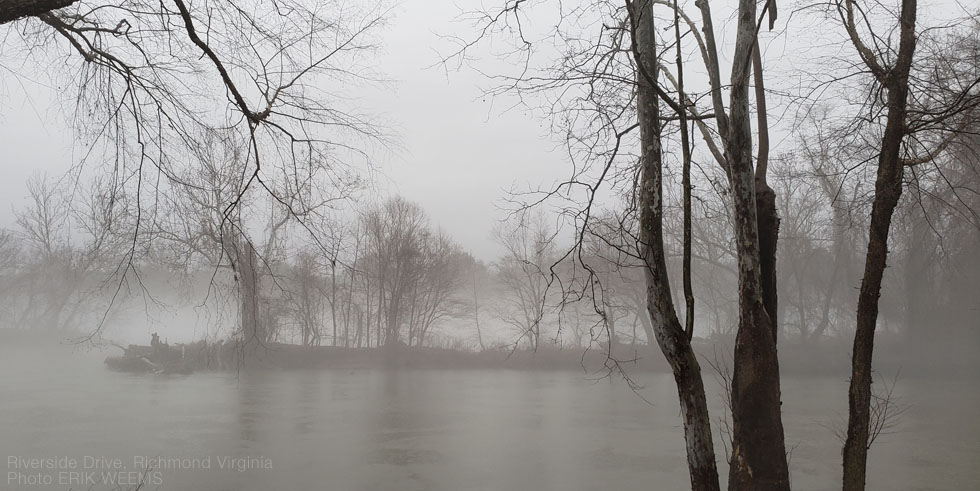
[829, 358]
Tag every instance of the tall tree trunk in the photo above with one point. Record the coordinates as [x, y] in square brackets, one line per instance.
[367, 310]
[333, 297]
[350, 292]
[305, 305]
[413, 326]
[685, 180]
[360, 326]
[888, 190]
[380, 313]
[758, 451]
[613, 338]
[673, 340]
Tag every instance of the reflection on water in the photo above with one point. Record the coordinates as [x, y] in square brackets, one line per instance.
[443, 430]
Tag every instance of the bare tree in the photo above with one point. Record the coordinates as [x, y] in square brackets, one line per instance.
[525, 273]
[72, 245]
[155, 81]
[202, 228]
[416, 272]
[305, 295]
[436, 284]
[908, 118]
[608, 81]
[674, 340]
[480, 275]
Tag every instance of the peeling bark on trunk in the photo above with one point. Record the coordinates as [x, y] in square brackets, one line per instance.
[758, 449]
[667, 329]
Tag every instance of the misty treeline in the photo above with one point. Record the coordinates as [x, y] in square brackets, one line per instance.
[384, 272]
[375, 274]
[383, 275]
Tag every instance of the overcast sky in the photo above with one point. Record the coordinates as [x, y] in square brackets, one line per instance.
[458, 154]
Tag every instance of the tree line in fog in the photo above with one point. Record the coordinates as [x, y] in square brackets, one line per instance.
[384, 273]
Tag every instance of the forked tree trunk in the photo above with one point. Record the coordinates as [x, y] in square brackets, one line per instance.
[765, 199]
[673, 341]
[688, 188]
[758, 451]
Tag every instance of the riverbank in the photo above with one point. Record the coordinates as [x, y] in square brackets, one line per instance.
[823, 359]
[828, 358]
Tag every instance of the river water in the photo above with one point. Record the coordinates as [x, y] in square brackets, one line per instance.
[429, 430]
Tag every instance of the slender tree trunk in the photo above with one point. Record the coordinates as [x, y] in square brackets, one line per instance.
[888, 190]
[367, 310]
[765, 198]
[831, 287]
[358, 337]
[613, 338]
[380, 313]
[333, 297]
[347, 328]
[920, 294]
[350, 292]
[685, 180]
[247, 264]
[413, 326]
[673, 340]
[476, 314]
[758, 460]
[305, 305]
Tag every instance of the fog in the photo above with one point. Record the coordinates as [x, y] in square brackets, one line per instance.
[312, 245]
